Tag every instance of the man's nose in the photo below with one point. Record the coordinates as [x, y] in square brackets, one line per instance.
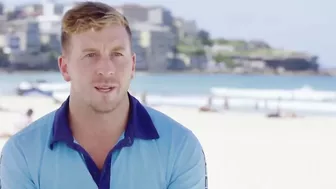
[106, 67]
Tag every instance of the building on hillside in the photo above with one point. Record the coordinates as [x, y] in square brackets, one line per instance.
[134, 12]
[160, 16]
[186, 27]
[23, 35]
[152, 45]
[2, 9]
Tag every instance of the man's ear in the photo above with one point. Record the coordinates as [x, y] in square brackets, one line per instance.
[133, 65]
[63, 67]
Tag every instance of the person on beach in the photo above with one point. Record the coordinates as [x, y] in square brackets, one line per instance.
[101, 136]
[22, 122]
[29, 116]
[208, 107]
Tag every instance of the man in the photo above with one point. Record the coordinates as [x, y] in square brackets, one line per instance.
[101, 136]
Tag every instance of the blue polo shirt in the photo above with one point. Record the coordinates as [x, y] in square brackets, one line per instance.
[155, 152]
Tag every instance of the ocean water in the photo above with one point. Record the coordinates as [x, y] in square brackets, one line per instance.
[193, 90]
[188, 84]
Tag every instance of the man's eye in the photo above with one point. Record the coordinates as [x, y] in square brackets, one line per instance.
[90, 55]
[117, 54]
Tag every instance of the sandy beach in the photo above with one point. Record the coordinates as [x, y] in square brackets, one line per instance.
[243, 151]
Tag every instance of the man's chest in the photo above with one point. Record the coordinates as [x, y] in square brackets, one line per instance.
[131, 168]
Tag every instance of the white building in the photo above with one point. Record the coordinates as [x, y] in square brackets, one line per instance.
[152, 44]
[23, 35]
[50, 26]
[160, 16]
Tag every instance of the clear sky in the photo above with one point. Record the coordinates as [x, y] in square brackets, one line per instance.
[306, 25]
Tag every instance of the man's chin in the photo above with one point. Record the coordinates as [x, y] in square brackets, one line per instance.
[103, 109]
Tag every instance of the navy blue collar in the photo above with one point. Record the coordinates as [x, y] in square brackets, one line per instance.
[139, 125]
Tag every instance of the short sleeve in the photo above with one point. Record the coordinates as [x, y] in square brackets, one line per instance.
[14, 171]
[190, 170]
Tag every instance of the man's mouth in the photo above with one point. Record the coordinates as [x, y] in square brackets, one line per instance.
[104, 89]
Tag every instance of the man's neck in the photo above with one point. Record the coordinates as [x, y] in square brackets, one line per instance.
[84, 121]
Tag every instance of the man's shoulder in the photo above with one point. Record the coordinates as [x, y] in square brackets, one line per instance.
[163, 121]
[42, 124]
[181, 147]
[33, 133]
[169, 128]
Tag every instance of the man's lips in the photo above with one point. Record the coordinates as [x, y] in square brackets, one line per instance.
[104, 89]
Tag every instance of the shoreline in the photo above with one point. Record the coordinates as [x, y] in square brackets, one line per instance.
[194, 72]
[44, 105]
[7, 100]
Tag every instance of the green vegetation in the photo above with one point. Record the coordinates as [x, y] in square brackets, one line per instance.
[237, 44]
[225, 50]
[190, 50]
[219, 58]
[190, 46]
[254, 49]
[205, 38]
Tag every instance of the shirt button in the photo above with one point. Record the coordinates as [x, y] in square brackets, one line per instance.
[129, 140]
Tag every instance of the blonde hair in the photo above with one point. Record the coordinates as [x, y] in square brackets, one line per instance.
[90, 15]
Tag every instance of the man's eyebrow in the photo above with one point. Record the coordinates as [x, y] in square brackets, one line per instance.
[118, 48]
[89, 50]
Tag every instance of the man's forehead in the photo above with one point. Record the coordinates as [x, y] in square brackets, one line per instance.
[109, 37]
[106, 44]
[109, 32]
[89, 44]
